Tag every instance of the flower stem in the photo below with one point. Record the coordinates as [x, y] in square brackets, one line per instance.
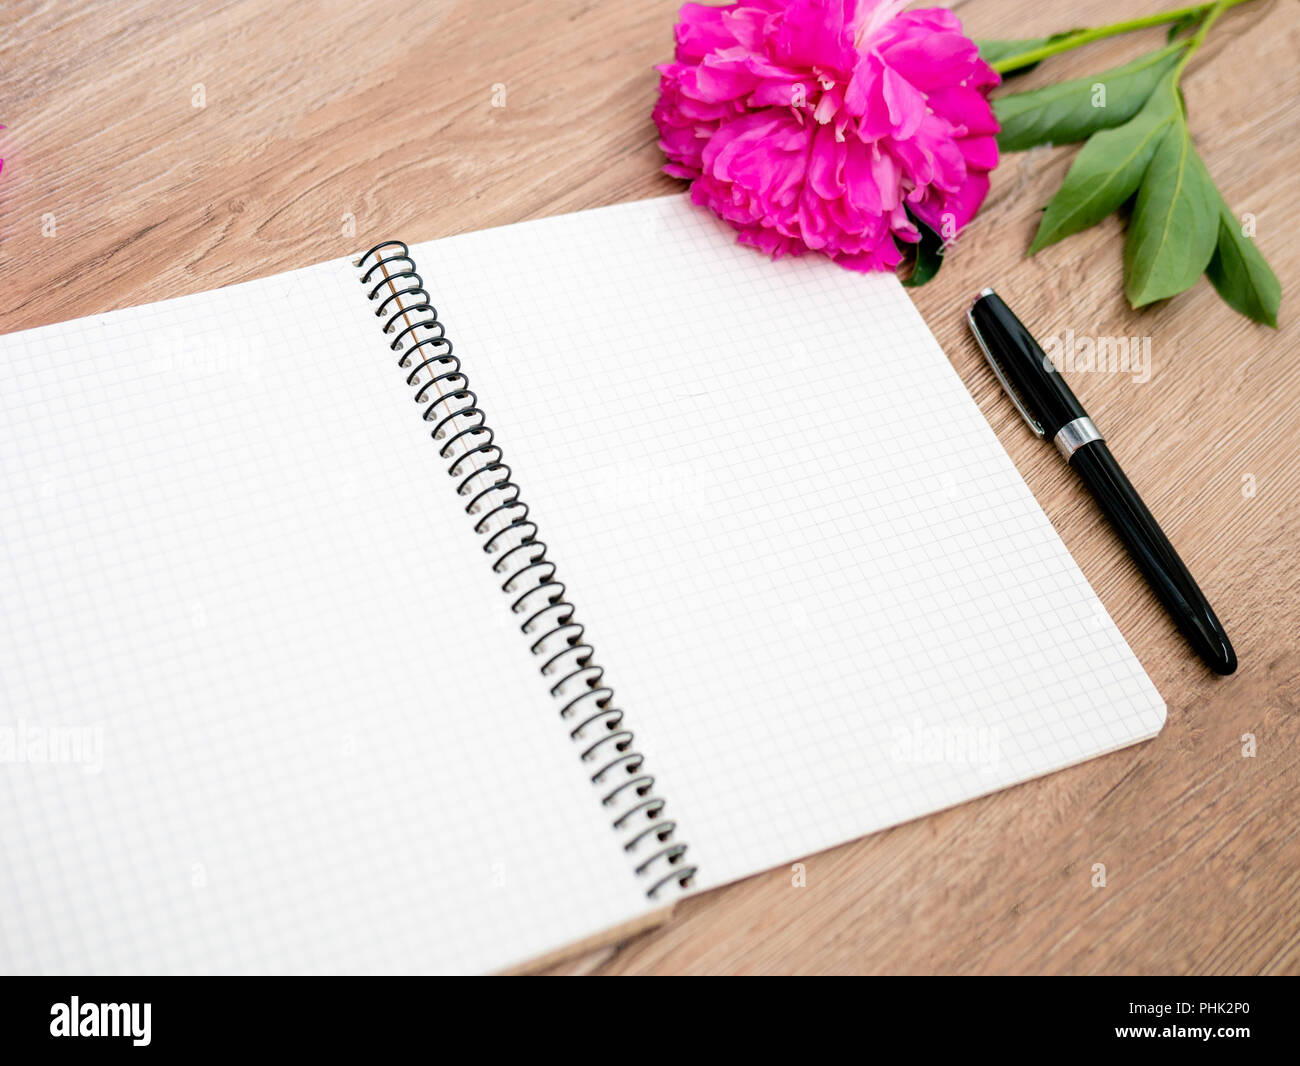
[1198, 39]
[1098, 33]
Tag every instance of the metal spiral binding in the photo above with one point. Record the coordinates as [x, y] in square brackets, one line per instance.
[503, 523]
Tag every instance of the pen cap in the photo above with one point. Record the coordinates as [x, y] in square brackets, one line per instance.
[1024, 369]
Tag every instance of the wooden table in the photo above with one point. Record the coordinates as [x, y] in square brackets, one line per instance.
[117, 189]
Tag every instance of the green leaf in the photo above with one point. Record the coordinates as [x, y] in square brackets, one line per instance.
[1184, 23]
[1065, 112]
[993, 51]
[1106, 172]
[929, 253]
[1175, 221]
[1239, 272]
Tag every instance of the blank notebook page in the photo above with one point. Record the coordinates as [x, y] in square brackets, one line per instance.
[825, 597]
[299, 732]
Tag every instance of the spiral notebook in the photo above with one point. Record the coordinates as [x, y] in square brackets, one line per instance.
[439, 607]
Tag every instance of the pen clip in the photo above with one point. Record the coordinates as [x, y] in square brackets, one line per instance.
[1007, 387]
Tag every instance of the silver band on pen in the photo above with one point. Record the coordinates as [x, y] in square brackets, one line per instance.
[1074, 435]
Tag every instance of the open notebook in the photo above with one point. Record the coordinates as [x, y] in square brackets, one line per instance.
[267, 708]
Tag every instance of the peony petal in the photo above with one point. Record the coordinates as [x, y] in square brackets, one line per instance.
[965, 107]
[826, 164]
[931, 61]
[980, 153]
[906, 103]
[702, 29]
[870, 17]
[724, 76]
[863, 190]
[815, 33]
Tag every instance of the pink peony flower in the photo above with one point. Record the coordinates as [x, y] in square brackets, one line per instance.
[816, 123]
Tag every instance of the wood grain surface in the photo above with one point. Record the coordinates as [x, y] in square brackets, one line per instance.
[118, 190]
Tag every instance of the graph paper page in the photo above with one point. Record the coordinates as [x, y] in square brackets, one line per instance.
[261, 706]
[825, 597]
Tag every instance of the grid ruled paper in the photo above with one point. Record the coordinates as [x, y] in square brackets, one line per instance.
[261, 705]
[825, 597]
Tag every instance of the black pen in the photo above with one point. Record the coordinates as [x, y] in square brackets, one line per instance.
[1047, 404]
